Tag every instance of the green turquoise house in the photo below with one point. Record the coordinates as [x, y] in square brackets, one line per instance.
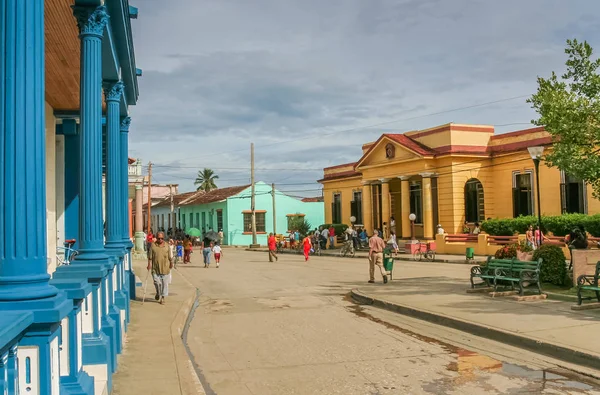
[229, 209]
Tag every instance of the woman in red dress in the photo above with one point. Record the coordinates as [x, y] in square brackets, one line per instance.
[307, 245]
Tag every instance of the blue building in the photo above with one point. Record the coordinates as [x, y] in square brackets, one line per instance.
[67, 79]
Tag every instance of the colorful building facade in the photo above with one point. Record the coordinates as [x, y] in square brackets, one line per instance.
[229, 209]
[67, 77]
[448, 175]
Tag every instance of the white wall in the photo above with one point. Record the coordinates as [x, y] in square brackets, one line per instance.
[51, 187]
[60, 189]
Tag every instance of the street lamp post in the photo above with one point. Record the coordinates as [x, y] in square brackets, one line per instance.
[536, 155]
[412, 217]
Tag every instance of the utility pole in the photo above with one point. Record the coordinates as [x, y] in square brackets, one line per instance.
[149, 197]
[253, 196]
[274, 212]
[172, 224]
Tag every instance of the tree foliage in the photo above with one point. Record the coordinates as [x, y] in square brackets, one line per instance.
[205, 180]
[569, 109]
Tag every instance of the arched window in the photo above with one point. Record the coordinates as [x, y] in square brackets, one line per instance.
[474, 206]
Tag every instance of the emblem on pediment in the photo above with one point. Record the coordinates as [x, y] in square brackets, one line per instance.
[390, 151]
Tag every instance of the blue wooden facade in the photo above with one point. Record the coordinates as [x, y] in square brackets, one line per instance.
[61, 332]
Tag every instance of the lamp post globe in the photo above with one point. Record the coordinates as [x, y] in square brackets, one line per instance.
[536, 155]
[412, 217]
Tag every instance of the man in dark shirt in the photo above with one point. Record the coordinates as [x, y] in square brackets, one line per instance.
[206, 250]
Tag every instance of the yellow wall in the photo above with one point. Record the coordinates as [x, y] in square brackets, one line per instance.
[346, 188]
[453, 171]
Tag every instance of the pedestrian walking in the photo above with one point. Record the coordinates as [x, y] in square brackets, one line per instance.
[187, 249]
[217, 253]
[272, 243]
[206, 250]
[160, 261]
[325, 237]
[331, 237]
[149, 239]
[306, 245]
[376, 246]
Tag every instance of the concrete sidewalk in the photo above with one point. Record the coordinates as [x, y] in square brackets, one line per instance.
[154, 360]
[549, 327]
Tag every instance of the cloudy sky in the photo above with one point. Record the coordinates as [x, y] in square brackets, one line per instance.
[309, 81]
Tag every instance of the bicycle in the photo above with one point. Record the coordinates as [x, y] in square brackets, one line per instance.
[66, 254]
[424, 251]
[348, 249]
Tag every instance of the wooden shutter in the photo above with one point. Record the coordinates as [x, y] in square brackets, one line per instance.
[516, 202]
[563, 197]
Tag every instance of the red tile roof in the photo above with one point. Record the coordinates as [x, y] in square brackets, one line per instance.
[215, 195]
[177, 199]
[411, 144]
[312, 199]
[343, 174]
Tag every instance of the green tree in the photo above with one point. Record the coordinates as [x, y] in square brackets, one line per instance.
[206, 180]
[569, 109]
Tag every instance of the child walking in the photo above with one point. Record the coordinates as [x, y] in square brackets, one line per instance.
[217, 251]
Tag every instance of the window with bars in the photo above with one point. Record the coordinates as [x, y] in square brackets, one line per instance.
[522, 193]
[219, 219]
[356, 207]
[474, 202]
[260, 222]
[336, 209]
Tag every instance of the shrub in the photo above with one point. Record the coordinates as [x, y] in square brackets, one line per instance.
[559, 225]
[301, 225]
[554, 267]
[339, 228]
[510, 251]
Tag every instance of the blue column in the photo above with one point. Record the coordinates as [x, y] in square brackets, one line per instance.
[129, 275]
[91, 23]
[114, 221]
[24, 281]
[23, 273]
[124, 161]
[114, 243]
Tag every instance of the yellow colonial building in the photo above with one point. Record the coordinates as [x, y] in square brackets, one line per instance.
[448, 175]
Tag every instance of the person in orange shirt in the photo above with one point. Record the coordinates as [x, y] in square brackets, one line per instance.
[376, 246]
[306, 245]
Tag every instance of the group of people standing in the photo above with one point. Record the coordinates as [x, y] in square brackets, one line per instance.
[162, 257]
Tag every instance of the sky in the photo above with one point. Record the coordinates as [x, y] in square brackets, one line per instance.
[309, 81]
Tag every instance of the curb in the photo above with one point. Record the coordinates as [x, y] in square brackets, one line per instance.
[537, 346]
[452, 261]
[189, 380]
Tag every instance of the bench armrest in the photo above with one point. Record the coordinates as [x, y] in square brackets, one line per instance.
[529, 273]
[502, 272]
[475, 270]
[587, 279]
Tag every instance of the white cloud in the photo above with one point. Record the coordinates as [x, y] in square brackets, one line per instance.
[220, 74]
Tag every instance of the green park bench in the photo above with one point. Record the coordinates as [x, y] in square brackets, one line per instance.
[508, 270]
[587, 282]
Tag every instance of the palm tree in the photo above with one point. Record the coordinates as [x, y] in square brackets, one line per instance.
[206, 180]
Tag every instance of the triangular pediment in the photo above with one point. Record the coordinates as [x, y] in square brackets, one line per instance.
[390, 149]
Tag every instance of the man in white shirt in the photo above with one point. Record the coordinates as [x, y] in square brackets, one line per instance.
[325, 235]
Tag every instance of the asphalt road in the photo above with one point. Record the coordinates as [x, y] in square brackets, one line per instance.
[289, 327]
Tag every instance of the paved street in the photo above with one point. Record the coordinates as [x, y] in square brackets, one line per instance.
[289, 328]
